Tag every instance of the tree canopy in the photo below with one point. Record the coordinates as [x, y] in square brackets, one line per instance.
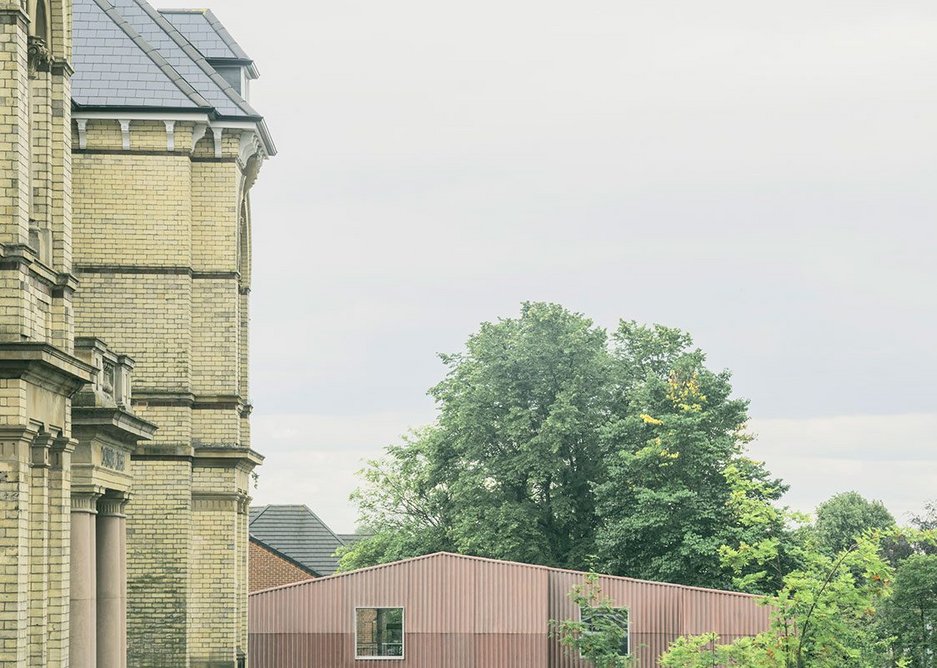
[843, 517]
[558, 444]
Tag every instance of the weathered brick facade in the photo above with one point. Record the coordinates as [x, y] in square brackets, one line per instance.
[158, 250]
[130, 228]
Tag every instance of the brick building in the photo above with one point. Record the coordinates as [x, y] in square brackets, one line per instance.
[127, 153]
[271, 568]
[298, 533]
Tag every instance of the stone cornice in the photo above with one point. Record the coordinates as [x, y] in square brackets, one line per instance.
[123, 426]
[243, 457]
[45, 365]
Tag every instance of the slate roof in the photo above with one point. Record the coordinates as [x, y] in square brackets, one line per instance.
[114, 66]
[206, 32]
[126, 54]
[184, 57]
[298, 533]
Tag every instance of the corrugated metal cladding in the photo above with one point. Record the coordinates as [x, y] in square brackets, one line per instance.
[467, 612]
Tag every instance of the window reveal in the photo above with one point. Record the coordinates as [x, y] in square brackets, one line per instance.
[378, 633]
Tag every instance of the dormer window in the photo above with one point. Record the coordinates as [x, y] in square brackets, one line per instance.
[234, 75]
[237, 72]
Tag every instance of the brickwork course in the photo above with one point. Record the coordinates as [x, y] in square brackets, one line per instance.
[271, 568]
[129, 232]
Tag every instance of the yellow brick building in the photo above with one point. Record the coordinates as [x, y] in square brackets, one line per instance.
[127, 153]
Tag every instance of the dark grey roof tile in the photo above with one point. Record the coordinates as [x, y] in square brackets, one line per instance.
[104, 55]
[205, 31]
[298, 533]
[184, 58]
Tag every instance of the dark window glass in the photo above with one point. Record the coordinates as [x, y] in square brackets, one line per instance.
[379, 632]
[232, 75]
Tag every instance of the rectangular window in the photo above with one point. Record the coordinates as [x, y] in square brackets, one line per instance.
[378, 633]
[602, 620]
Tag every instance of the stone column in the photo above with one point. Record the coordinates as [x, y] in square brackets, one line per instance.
[111, 564]
[83, 613]
[123, 590]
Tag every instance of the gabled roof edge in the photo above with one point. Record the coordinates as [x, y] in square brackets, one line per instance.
[225, 36]
[196, 56]
[453, 555]
[285, 557]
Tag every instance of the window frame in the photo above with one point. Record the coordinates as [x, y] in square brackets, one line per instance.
[403, 632]
[627, 610]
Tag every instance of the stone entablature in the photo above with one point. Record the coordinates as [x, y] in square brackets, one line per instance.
[103, 422]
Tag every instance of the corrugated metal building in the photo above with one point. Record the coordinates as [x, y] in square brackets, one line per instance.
[450, 611]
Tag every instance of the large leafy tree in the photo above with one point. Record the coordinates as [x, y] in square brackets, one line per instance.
[843, 517]
[823, 616]
[556, 445]
[675, 460]
[910, 616]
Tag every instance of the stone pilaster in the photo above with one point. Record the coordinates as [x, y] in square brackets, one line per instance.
[59, 549]
[40, 450]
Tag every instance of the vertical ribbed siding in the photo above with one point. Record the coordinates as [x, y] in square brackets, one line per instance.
[659, 614]
[464, 612]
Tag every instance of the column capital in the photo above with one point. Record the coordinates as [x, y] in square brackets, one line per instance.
[61, 452]
[85, 502]
[112, 505]
[41, 445]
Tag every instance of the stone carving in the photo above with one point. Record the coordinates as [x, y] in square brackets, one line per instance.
[112, 458]
[39, 57]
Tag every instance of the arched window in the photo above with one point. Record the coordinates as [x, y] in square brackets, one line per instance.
[39, 23]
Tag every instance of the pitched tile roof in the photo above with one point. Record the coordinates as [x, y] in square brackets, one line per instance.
[126, 54]
[115, 66]
[184, 57]
[298, 533]
[206, 32]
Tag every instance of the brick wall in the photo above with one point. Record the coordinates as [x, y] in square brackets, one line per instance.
[158, 250]
[268, 569]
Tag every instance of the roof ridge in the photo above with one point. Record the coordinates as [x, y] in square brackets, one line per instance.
[196, 56]
[327, 527]
[153, 54]
[262, 511]
[437, 555]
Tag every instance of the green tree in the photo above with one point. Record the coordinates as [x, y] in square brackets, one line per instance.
[675, 463]
[599, 633]
[555, 445]
[824, 616]
[845, 516]
[910, 616]
[403, 504]
[927, 520]
[521, 410]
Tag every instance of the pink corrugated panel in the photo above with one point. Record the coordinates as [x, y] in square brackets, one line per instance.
[467, 612]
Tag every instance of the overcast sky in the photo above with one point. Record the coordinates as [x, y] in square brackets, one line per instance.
[763, 175]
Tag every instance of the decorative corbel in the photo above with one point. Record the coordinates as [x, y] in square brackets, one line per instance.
[198, 133]
[170, 135]
[125, 133]
[216, 133]
[82, 132]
